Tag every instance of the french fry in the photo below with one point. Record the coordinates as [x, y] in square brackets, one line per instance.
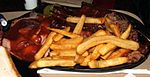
[86, 53]
[70, 52]
[125, 34]
[115, 29]
[106, 48]
[48, 58]
[107, 55]
[65, 52]
[98, 33]
[51, 62]
[77, 40]
[86, 60]
[54, 53]
[45, 47]
[119, 53]
[108, 20]
[65, 33]
[107, 63]
[93, 64]
[34, 63]
[79, 59]
[107, 23]
[95, 54]
[108, 32]
[91, 49]
[127, 44]
[87, 20]
[63, 46]
[63, 57]
[59, 36]
[79, 26]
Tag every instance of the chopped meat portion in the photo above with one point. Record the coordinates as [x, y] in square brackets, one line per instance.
[134, 56]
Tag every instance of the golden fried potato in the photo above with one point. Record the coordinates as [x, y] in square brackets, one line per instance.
[107, 55]
[91, 49]
[106, 48]
[119, 53]
[79, 59]
[65, 33]
[63, 46]
[126, 34]
[115, 29]
[52, 62]
[108, 62]
[95, 54]
[86, 53]
[87, 20]
[77, 40]
[45, 47]
[54, 53]
[79, 26]
[63, 57]
[127, 44]
[98, 33]
[65, 52]
[60, 36]
[86, 60]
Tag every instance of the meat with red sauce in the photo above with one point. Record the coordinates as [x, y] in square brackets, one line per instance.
[26, 36]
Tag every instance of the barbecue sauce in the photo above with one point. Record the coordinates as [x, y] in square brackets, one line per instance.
[26, 37]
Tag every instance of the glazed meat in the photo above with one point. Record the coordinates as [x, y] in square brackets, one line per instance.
[26, 37]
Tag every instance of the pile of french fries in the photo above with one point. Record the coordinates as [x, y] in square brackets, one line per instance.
[101, 49]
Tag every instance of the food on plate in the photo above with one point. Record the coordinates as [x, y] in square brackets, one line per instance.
[65, 33]
[128, 44]
[66, 52]
[63, 46]
[79, 26]
[98, 33]
[59, 36]
[26, 36]
[115, 29]
[107, 54]
[119, 53]
[126, 33]
[106, 48]
[7, 67]
[87, 20]
[77, 40]
[86, 53]
[108, 62]
[68, 38]
[52, 62]
[95, 53]
[45, 46]
[86, 60]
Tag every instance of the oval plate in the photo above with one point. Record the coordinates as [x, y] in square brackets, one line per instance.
[144, 39]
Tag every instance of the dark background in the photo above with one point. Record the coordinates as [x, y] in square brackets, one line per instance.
[10, 5]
